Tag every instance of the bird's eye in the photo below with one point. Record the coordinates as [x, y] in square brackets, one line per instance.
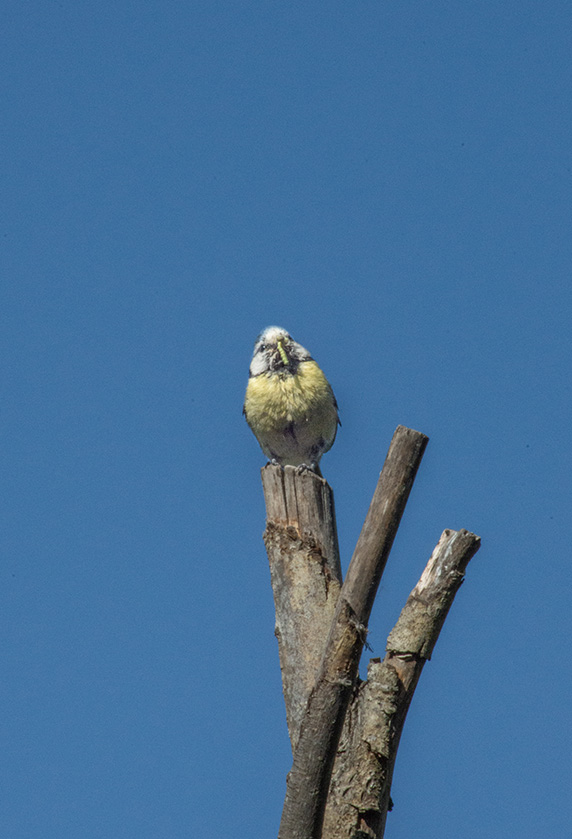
[261, 347]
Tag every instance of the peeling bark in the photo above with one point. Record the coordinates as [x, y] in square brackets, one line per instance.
[359, 795]
[302, 545]
[345, 732]
[321, 726]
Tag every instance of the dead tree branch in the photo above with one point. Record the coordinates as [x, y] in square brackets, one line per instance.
[321, 628]
[308, 781]
[302, 544]
[359, 794]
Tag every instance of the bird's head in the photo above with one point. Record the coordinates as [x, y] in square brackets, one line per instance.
[275, 350]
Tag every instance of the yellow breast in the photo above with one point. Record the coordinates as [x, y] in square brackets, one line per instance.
[279, 398]
[293, 415]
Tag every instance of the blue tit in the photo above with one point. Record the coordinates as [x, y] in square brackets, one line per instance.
[289, 403]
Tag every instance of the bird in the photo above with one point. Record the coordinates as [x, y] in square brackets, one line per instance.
[289, 404]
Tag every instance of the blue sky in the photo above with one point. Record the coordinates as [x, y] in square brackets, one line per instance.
[392, 183]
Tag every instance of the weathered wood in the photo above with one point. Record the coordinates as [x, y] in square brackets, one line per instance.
[308, 781]
[382, 520]
[302, 545]
[359, 794]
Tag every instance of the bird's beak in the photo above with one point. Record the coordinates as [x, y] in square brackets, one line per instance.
[283, 356]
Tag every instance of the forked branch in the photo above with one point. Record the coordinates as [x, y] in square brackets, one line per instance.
[340, 789]
[308, 781]
[359, 796]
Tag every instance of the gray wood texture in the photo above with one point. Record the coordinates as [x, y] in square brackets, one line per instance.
[359, 794]
[345, 732]
[309, 778]
[302, 545]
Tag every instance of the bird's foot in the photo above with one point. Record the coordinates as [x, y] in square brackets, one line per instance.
[309, 467]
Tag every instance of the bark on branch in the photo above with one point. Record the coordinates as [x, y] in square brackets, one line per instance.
[302, 545]
[344, 732]
[359, 794]
[309, 778]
